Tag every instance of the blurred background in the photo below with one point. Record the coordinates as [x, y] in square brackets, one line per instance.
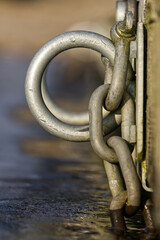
[27, 24]
[50, 188]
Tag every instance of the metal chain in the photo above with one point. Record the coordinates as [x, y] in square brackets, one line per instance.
[51, 116]
[116, 95]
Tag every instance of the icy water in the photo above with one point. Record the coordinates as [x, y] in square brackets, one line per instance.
[49, 188]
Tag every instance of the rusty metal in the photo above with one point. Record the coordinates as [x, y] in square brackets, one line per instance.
[117, 214]
[149, 221]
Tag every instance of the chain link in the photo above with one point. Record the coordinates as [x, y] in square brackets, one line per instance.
[116, 95]
[93, 127]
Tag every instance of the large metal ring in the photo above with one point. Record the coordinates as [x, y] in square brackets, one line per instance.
[77, 39]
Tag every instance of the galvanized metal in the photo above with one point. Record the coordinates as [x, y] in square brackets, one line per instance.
[117, 95]
[128, 117]
[140, 91]
[121, 33]
[36, 70]
[141, 10]
[120, 147]
[114, 178]
[117, 87]
[132, 7]
[96, 125]
[140, 111]
[129, 174]
[108, 70]
[126, 6]
[129, 21]
[121, 7]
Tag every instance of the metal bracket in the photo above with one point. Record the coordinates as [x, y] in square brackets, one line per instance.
[140, 90]
[137, 61]
[140, 94]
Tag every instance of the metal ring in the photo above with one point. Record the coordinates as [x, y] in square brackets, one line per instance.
[77, 39]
